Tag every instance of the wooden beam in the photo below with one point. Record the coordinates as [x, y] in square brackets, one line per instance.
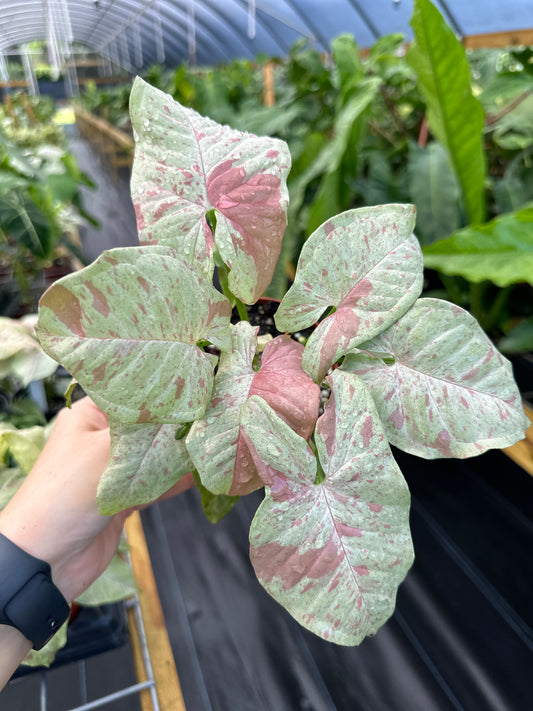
[167, 684]
[522, 452]
[496, 40]
[269, 95]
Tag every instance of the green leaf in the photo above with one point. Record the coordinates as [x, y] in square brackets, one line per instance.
[23, 445]
[215, 506]
[21, 354]
[455, 116]
[334, 553]
[518, 339]
[328, 200]
[117, 582]
[449, 392]
[434, 190]
[500, 251]
[383, 278]
[11, 479]
[145, 462]
[45, 656]
[348, 64]
[126, 328]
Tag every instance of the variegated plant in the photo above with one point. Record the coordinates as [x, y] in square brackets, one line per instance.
[151, 340]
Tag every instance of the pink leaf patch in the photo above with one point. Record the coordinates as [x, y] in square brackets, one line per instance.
[332, 554]
[448, 393]
[215, 443]
[185, 165]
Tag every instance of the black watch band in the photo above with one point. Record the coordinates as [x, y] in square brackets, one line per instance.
[29, 600]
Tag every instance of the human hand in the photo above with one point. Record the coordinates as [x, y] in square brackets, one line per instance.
[54, 514]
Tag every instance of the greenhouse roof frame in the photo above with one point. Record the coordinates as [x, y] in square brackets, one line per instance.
[137, 33]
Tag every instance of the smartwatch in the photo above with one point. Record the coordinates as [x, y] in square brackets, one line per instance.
[29, 600]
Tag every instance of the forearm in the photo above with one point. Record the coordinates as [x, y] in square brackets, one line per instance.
[13, 648]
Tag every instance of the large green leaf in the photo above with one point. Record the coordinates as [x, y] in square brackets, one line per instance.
[328, 201]
[367, 264]
[334, 553]
[186, 165]
[440, 386]
[500, 251]
[145, 461]
[455, 116]
[126, 327]
[434, 190]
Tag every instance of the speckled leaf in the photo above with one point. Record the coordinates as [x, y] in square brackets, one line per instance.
[145, 462]
[214, 443]
[446, 391]
[185, 165]
[367, 264]
[334, 553]
[126, 328]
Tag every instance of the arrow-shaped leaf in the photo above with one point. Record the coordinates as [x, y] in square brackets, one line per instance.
[126, 328]
[500, 250]
[444, 391]
[215, 444]
[455, 115]
[333, 554]
[186, 165]
[367, 264]
[145, 461]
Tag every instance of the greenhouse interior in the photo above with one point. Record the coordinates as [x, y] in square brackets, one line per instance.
[291, 470]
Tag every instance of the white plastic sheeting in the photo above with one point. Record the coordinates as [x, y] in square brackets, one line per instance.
[137, 33]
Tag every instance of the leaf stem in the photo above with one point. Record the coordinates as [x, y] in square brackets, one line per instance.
[241, 309]
[476, 301]
[496, 309]
[234, 301]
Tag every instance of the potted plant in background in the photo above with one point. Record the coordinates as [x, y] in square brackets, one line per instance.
[308, 417]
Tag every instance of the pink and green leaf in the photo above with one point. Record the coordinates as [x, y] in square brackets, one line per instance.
[215, 443]
[334, 553]
[367, 264]
[145, 461]
[186, 165]
[126, 328]
[440, 386]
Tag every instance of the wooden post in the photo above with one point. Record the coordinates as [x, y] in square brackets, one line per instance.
[269, 95]
[10, 109]
[166, 679]
[522, 452]
[28, 108]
